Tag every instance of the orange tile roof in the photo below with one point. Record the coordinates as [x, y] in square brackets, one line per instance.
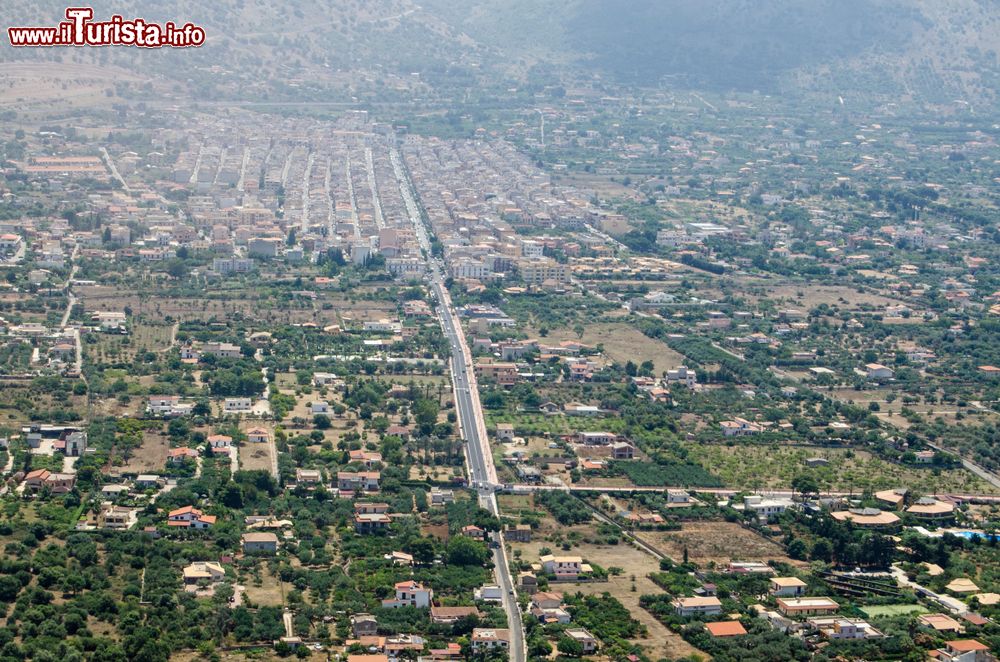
[725, 628]
[184, 511]
[966, 645]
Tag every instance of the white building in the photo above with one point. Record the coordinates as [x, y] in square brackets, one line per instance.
[470, 269]
[10, 242]
[682, 375]
[325, 378]
[878, 371]
[168, 405]
[844, 628]
[532, 249]
[383, 326]
[237, 405]
[109, 320]
[488, 638]
[765, 508]
[678, 496]
[791, 587]
[489, 593]
[703, 606]
[232, 265]
[410, 594]
[563, 567]
[223, 350]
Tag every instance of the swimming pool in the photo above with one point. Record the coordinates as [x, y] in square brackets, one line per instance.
[968, 535]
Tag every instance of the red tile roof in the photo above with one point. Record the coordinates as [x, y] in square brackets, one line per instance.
[725, 628]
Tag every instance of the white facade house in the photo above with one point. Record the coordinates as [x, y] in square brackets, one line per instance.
[258, 436]
[489, 593]
[383, 326]
[682, 375]
[488, 638]
[878, 371]
[765, 508]
[237, 405]
[223, 350]
[168, 405]
[410, 594]
[704, 606]
[563, 567]
[791, 587]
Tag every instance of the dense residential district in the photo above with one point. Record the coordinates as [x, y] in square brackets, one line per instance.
[276, 385]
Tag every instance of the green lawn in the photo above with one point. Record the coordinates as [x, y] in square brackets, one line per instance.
[878, 611]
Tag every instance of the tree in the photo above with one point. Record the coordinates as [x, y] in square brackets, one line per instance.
[570, 647]
[797, 549]
[822, 551]
[321, 421]
[177, 268]
[232, 496]
[806, 485]
[9, 588]
[466, 551]
[422, 550]
[73, 583]
[538, 647]
[425, 412]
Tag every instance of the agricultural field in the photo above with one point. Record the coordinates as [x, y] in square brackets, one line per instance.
[890, 412]
[434, 473]
[255, 457]
[22, 400]
[150, 457]
[103, 348]
[808, 296]
[622, 343]
[184, 309]
[267, 591]
[601, 185]
[750, 466]
[689, 208]
[716, 542]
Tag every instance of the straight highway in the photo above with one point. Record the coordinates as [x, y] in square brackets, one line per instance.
[482, 472]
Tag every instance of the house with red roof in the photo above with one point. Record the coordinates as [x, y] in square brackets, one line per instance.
[176, 455]
[410, 594]
[725, 629]
[190, 517]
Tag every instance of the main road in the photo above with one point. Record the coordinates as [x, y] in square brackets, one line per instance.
[482, 472]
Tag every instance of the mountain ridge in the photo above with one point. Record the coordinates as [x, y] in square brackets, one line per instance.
[929, 51]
